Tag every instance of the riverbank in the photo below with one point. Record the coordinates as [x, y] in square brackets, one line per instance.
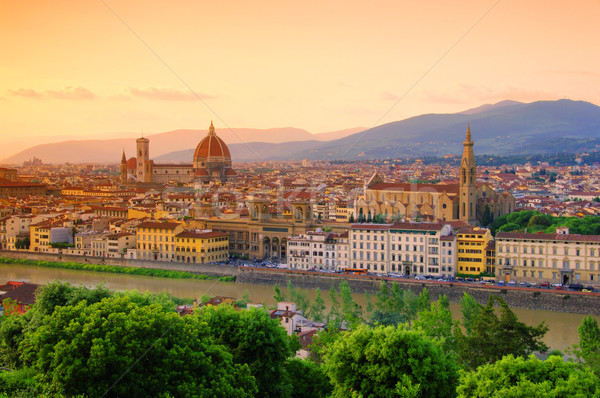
[114, 269]
[529, 298]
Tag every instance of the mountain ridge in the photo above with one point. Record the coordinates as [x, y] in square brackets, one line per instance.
[507, 127]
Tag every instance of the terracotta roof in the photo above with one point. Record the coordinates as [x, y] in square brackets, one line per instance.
[132, 164]
[159, 225]
[201, 235]
[419, 226]
[24, 293]
[212, 146]
[440, 188]
[371, 226]
[556, 237]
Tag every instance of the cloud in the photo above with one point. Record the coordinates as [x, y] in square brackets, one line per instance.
[70, 93]
[467, 94]
[168, 94]
[25, 92]
[74, 93]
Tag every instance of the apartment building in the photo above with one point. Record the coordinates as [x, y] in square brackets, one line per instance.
[407, 248]
[156, 240]
[320, 250]
[559, 258]
[472, 244]
[201, 246]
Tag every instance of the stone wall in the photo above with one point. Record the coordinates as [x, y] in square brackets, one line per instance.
[206, 269]
[535, 299]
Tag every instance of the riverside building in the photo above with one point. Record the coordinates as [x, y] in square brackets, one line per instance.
[559, 258]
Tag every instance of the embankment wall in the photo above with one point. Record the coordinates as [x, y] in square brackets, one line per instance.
[535, 299]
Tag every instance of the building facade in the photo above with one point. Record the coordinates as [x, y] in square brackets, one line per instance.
[472, 254]
[558, 258]
[404, 248]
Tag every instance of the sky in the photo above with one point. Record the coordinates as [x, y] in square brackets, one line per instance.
[107, 68]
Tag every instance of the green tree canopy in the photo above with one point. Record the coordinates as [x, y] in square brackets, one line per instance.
[529, 378]
[493, 337]
[119, 347]
[254, 339]
[589, 344]
[388, 361]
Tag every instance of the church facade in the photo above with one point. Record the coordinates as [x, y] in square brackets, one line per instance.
[211, 163]
[466, 201]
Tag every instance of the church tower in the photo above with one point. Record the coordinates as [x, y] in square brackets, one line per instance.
[144, 169]
[468, 188]
[123, 169]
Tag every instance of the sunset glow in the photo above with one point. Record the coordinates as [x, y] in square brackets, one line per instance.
[105, 68]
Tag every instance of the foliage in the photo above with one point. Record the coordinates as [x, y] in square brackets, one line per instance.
[11, 336]
[470, 310]
[298, 297]
[389, 361]
[279, 295]
[23, 244]
[535, 221]
[119, 346]
[114, 269]
[317, 308]
[254, 339]
[19, 383]
[351, 311]
[305, 378]
[588, 349]
[61, 245]
[493, 337]
[437, 323]
[486, 218]
[394, 306]
[526, 378]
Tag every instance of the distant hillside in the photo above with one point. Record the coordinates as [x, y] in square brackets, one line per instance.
[109, 151]
[517, 128]
[506, 128]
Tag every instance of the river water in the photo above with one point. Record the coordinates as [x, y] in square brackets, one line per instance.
[562, 333]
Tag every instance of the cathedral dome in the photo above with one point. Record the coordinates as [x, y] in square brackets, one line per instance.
[211, 149]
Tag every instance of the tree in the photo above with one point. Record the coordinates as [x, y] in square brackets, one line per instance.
[389, 361]
[351, 219]
[306, 379]
[119, 347]
[524, 378]
[298, 297]
[279, 295]
[486, 218]
[470, 310]
[334, 317]
[350, 309]
[317, 309]
[254, 339]
[588, 349]
[437, 323]
[369, 217]
[493, 337]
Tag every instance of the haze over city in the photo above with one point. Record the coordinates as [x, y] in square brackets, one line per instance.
[106, 69]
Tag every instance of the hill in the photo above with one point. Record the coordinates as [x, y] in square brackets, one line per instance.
[505, 128]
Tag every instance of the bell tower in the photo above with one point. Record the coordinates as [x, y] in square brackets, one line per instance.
[144, 172]
[123, 169]
[467, 184]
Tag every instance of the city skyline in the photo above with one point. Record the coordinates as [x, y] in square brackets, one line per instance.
[99, 70]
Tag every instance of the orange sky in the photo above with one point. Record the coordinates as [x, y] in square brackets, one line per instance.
[73, 68]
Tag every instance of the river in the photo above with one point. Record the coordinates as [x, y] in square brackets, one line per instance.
[562, 333]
